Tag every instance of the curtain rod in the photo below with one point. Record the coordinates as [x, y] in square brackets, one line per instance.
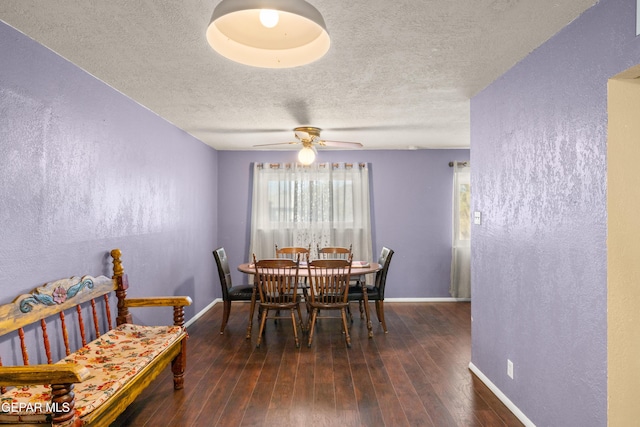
[462, 163]
[361, 165]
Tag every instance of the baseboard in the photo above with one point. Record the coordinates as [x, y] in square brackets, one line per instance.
[217, 300]
[202, 312]
[500, 395]
[440, 299]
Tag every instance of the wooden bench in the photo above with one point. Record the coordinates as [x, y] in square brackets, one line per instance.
[96, 382]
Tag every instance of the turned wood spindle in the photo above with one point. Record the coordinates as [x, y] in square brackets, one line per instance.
[63, 399]
[121, 291]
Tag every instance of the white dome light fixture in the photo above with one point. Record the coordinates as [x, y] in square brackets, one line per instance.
[268, 33]
[307, 155]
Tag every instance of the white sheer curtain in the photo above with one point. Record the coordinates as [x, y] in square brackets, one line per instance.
[324, 204]
[461, 252]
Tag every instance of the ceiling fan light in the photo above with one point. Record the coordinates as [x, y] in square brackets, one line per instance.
[269, 18]
[306, 155]
[300, 36]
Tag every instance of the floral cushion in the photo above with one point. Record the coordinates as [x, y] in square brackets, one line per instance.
[113, 359]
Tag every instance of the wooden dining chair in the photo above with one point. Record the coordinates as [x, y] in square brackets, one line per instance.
[292, 252]
[375, 292]
[339, 252]
[328, 288]
[334, 252]
[232, 293]
[277, 282]
[301, 254]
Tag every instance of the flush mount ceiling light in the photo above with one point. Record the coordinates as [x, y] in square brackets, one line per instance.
[268, 33]
[307, 154]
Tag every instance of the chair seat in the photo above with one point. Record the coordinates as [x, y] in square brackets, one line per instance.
[283, 300]
[355, 293]
[321, 306]
[241, 292]
[280, 305]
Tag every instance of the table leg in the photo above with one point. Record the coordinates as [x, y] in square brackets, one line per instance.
[251, 311]
[365, 298]
[305, 297]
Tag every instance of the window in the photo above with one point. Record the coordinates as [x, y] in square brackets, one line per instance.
[303, 201]
[461, 244]
[322, 204]
[463, 214]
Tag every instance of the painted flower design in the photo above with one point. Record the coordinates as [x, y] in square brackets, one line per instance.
[59, 295]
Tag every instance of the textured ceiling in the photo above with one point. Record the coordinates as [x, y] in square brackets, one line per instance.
[399, 74]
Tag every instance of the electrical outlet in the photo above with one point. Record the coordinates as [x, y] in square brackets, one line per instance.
[510, 368]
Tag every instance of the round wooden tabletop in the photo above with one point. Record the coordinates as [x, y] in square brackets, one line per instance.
[357, 268]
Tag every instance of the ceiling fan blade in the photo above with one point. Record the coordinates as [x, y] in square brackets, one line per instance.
[344, 144]
[276, 143]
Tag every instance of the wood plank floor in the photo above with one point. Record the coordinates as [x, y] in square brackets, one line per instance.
[416, 375]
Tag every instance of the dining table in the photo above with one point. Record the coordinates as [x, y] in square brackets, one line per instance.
[358, 268]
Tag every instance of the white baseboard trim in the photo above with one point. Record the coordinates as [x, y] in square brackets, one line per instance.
[202, 312]
[217, 300]
[500, 395]
[440, 299]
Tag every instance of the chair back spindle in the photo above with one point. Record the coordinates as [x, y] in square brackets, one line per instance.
[23, 347]
[81, 325]
[45, 339]
[96, 322]
[65, 334]
[107, 309]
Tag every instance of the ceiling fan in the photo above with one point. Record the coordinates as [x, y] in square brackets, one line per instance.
[309, 137]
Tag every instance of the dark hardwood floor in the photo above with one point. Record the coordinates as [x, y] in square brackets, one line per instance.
[415, 375]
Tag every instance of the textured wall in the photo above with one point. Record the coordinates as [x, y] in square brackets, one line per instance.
[411, 211]
[539, 258]
[84, 169]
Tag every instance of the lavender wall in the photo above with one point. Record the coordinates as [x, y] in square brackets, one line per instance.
[83, 169]
[411, 211]
[539, 258]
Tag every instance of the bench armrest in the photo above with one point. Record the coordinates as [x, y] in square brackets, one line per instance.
[179, 301]
[59, 373]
